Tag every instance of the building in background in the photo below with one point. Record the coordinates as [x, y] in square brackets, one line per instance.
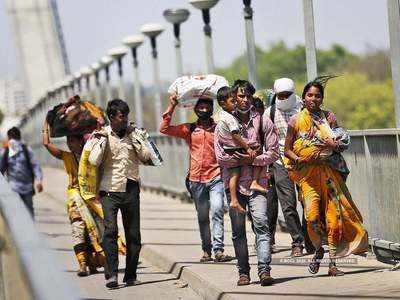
[38, 38]
[12, 98]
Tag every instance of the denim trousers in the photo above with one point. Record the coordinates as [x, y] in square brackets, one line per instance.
[209, 198]
[257, 207]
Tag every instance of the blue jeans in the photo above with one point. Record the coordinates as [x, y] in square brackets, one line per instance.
[210, 196]
[257, 206]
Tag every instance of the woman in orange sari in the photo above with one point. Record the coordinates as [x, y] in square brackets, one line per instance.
[312, 150]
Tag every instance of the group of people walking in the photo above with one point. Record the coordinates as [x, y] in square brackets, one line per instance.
[250, 159]
[257, 157]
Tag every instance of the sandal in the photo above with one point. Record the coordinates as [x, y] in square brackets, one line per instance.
[334, 271]
[206, 257]
[313, 267]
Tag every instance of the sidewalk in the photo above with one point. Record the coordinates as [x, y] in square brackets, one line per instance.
[171, 242]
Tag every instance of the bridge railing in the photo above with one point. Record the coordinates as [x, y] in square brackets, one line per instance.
[374, 181]
[27, 267]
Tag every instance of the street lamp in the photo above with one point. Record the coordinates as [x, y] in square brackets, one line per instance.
[77, 78]
[133, 42]
[117, 54]
[86, 72]
[95, 71]
[251, 47]
[152, 30]
[71, 81]
[311, 52]
[65, 86]
[205, 6]
[105, 62]
[176, 16]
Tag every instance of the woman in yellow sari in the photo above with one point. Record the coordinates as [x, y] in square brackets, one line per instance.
[313, 158]
[86, 217]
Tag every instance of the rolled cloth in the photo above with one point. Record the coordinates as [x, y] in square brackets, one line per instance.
[75, 117]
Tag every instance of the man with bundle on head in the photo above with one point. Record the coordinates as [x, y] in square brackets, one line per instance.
[204, 179]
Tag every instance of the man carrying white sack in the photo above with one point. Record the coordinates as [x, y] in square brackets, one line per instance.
[285, 104]
[204, 179]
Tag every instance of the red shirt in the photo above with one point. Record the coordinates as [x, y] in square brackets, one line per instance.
[203, 163]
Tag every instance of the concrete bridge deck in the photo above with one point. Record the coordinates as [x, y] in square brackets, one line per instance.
[170, 253]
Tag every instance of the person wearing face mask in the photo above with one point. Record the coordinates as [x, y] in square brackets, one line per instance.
[204, 178]
[287, 104]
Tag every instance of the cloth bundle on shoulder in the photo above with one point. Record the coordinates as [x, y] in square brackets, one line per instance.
[191, 88]
[74, 117]
[145, 141]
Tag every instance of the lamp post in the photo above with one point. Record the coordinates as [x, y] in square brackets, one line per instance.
[117, 54]
[70, 86]
[77, 78]
[86, 72]
[311, 54]
[152, 30]
[251, 45]
[133, 42]
[95, 67]
[177, 16]
[205, 6]
[394, 33]
[65, 86]
[106, 61]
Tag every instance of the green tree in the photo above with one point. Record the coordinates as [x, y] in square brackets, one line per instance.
[281, 61]
[1, 117]
[359, 103]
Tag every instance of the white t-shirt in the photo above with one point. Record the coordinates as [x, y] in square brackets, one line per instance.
[229, 124]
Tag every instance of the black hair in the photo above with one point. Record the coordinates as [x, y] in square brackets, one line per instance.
[205, 101]
[115, 106]
[258, 103]
[14, 133]
[244, 84]
[224, 93]
[316, 84]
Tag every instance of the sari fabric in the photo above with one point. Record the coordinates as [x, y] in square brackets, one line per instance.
[329, 208]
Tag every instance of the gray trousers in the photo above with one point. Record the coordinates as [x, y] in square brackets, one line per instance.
[284, 191]
[28, 201]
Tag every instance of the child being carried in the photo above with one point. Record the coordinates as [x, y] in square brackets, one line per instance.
[230, 126]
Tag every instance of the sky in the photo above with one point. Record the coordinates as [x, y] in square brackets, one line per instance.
[92, 27]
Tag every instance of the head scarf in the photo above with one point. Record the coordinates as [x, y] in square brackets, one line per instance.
[285, 85]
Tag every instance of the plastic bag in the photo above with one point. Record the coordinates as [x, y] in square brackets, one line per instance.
[144, 139]
[74, 117]
[190, 88]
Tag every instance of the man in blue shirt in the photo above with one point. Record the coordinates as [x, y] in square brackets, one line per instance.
[21, 168]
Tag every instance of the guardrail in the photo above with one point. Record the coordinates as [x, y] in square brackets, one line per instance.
[374, 181]
[27, 268]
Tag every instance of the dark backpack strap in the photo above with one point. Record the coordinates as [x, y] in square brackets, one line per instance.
[272, 113]
[192, 127]
[28, 161]
[4, 162]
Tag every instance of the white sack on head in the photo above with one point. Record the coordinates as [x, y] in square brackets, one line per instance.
[190, 88]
